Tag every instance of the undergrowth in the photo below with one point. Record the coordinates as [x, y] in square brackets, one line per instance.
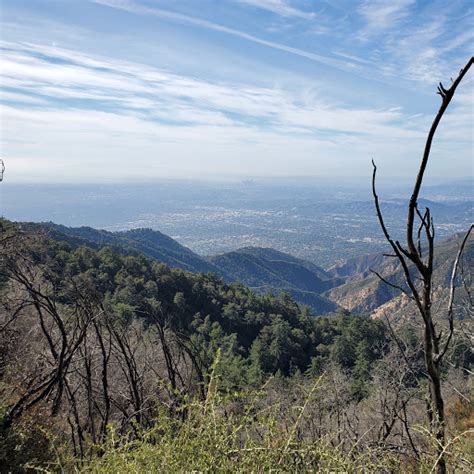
[237, 433]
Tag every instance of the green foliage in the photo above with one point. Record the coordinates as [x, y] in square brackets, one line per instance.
[259, 335]
[233, 435]
[245, 432]
[259, 268]
[242, 341]
[24, 444]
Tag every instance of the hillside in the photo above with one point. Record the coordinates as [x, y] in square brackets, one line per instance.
[349, 284]
[197, 306]
[261, 269]
[144, 343]
[356, 266]
[273, 255]
[401, 308]
[114, 345]
[363, 292]
[151, 243]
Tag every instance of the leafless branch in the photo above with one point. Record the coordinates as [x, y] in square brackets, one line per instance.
[452, 289]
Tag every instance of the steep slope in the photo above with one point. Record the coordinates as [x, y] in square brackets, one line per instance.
[401, 308]
[149, 242]
[363, 291]
[263, 269]
[277, 256]
[303, 280]
[357, 266]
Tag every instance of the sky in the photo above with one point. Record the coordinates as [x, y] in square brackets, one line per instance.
[131, 90]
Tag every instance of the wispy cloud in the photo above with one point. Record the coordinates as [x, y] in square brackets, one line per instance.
[413, 55]
[380, 15]
[158, 94]
[279, 7]
[416, 41]
[92, 107]
[121, 111]
[425, 53]
[210, 25]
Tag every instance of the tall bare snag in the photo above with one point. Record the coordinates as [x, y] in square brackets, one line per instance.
[417, 265]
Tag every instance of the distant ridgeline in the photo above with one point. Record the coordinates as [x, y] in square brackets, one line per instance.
[350, 285]
[261, 269]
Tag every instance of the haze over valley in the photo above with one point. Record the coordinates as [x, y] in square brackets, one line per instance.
[322, 221]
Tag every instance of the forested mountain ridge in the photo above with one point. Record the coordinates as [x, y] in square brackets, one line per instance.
[351, 284]
[152, 243]
[266, 269]
[261, 269]
[273, 255]
[257, 334]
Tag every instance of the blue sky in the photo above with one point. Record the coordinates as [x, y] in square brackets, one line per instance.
[113, 90]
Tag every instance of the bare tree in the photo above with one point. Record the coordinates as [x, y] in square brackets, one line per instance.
[65, 351]
[417, 265]
[62, 329]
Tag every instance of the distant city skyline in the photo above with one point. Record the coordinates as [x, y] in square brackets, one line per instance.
[111, 90]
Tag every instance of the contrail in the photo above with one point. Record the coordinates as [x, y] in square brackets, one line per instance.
[181, 18]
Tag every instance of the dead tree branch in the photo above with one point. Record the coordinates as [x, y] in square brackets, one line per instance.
[418, 271]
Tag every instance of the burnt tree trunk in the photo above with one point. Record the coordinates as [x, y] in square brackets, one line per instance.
[418, 271]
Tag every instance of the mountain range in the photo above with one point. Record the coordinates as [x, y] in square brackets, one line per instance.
[350, 284]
